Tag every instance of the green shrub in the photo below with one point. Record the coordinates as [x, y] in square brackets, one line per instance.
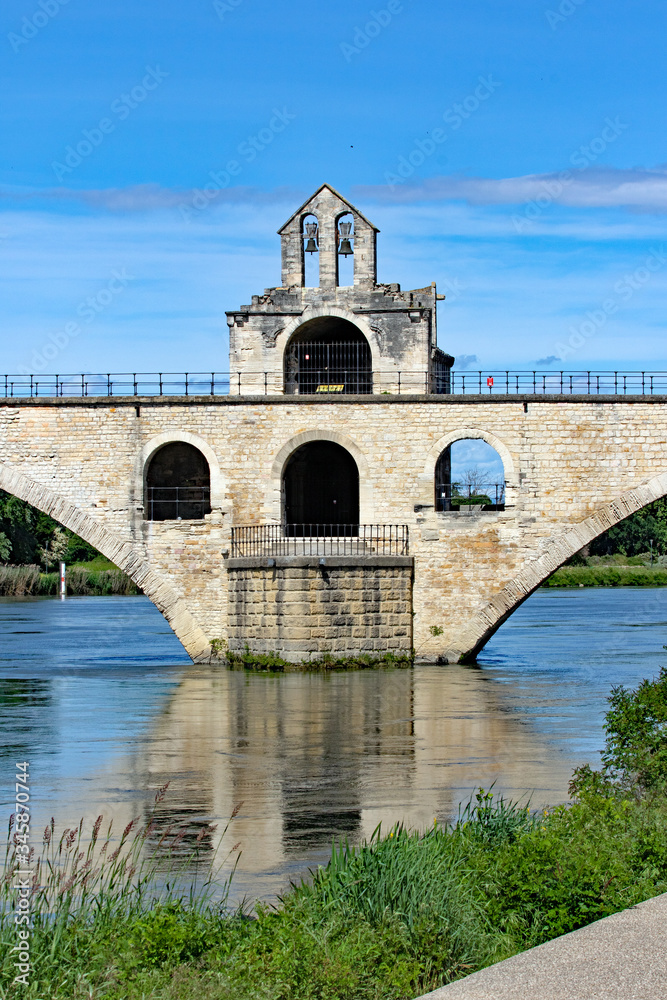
[608, 575]
[635, 754]
[636, 729]
[168, 934]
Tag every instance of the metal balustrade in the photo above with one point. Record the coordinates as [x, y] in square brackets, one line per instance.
[451, 496]
[254, 540]
[177, 503]
[337, 383]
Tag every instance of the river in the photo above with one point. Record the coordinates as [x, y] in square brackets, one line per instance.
[99, 696]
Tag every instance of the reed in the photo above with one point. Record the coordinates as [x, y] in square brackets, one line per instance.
[28, 581]
[17, 581]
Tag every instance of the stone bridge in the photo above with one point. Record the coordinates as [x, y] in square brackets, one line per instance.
[574, 466]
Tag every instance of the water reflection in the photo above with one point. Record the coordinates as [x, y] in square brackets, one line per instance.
[311, 757]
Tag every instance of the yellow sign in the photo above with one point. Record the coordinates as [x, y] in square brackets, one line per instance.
[330, 388]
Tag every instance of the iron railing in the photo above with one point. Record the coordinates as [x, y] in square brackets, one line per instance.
[481, 383]
[320, 539]
[451, 496]
[177, 503]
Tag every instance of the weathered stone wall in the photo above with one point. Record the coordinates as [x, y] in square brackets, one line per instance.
[574, 466]
[302, 607]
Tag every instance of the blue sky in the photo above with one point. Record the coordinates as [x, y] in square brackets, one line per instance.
[511, 150]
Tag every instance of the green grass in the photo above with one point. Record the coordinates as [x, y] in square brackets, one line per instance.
[98, 563]
[608, 576]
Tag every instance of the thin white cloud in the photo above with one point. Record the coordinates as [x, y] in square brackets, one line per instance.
[637, 190]
[640, 190]
[151, 197]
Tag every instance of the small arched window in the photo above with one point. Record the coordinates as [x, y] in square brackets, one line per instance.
[469, 472]
[310, 231]
[178, 484]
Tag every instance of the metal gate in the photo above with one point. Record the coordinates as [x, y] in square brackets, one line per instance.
[328, 367]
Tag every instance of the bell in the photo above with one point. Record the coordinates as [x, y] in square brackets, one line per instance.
[344, 233]
[311, 233]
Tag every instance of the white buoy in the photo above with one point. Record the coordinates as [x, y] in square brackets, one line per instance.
[63, 585]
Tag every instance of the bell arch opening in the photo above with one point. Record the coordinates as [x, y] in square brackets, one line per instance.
[328, 354]
[310, 251]
[469, 473]
[321, 491]
[178, 484]
[345, 236]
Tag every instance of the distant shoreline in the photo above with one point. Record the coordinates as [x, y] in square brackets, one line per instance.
[608, 576]
[82, 580]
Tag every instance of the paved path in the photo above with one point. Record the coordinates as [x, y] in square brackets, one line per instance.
[623, 957]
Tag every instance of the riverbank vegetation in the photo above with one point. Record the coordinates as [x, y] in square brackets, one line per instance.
[31, 546]
[387, 920]
[611, 571]
[98, 578]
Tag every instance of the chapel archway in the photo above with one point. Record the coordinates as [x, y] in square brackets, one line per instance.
[328, 354]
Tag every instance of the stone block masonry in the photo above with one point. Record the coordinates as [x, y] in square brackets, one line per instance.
[306, 606]
[574, 466]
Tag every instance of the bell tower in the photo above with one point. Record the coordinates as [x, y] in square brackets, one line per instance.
[327, 224]
[328, 335]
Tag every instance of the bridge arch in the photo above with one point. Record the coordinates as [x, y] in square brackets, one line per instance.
[122, 553]
[273, 501]
[555, 551]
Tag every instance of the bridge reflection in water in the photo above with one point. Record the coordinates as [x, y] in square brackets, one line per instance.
[317, 757]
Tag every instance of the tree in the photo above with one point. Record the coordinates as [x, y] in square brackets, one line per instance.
[33, 537]
[473, 480]
[54, 550]
[5, 547]
[634, 535]
[635, 753]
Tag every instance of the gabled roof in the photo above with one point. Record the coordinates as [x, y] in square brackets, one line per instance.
[338, 195]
